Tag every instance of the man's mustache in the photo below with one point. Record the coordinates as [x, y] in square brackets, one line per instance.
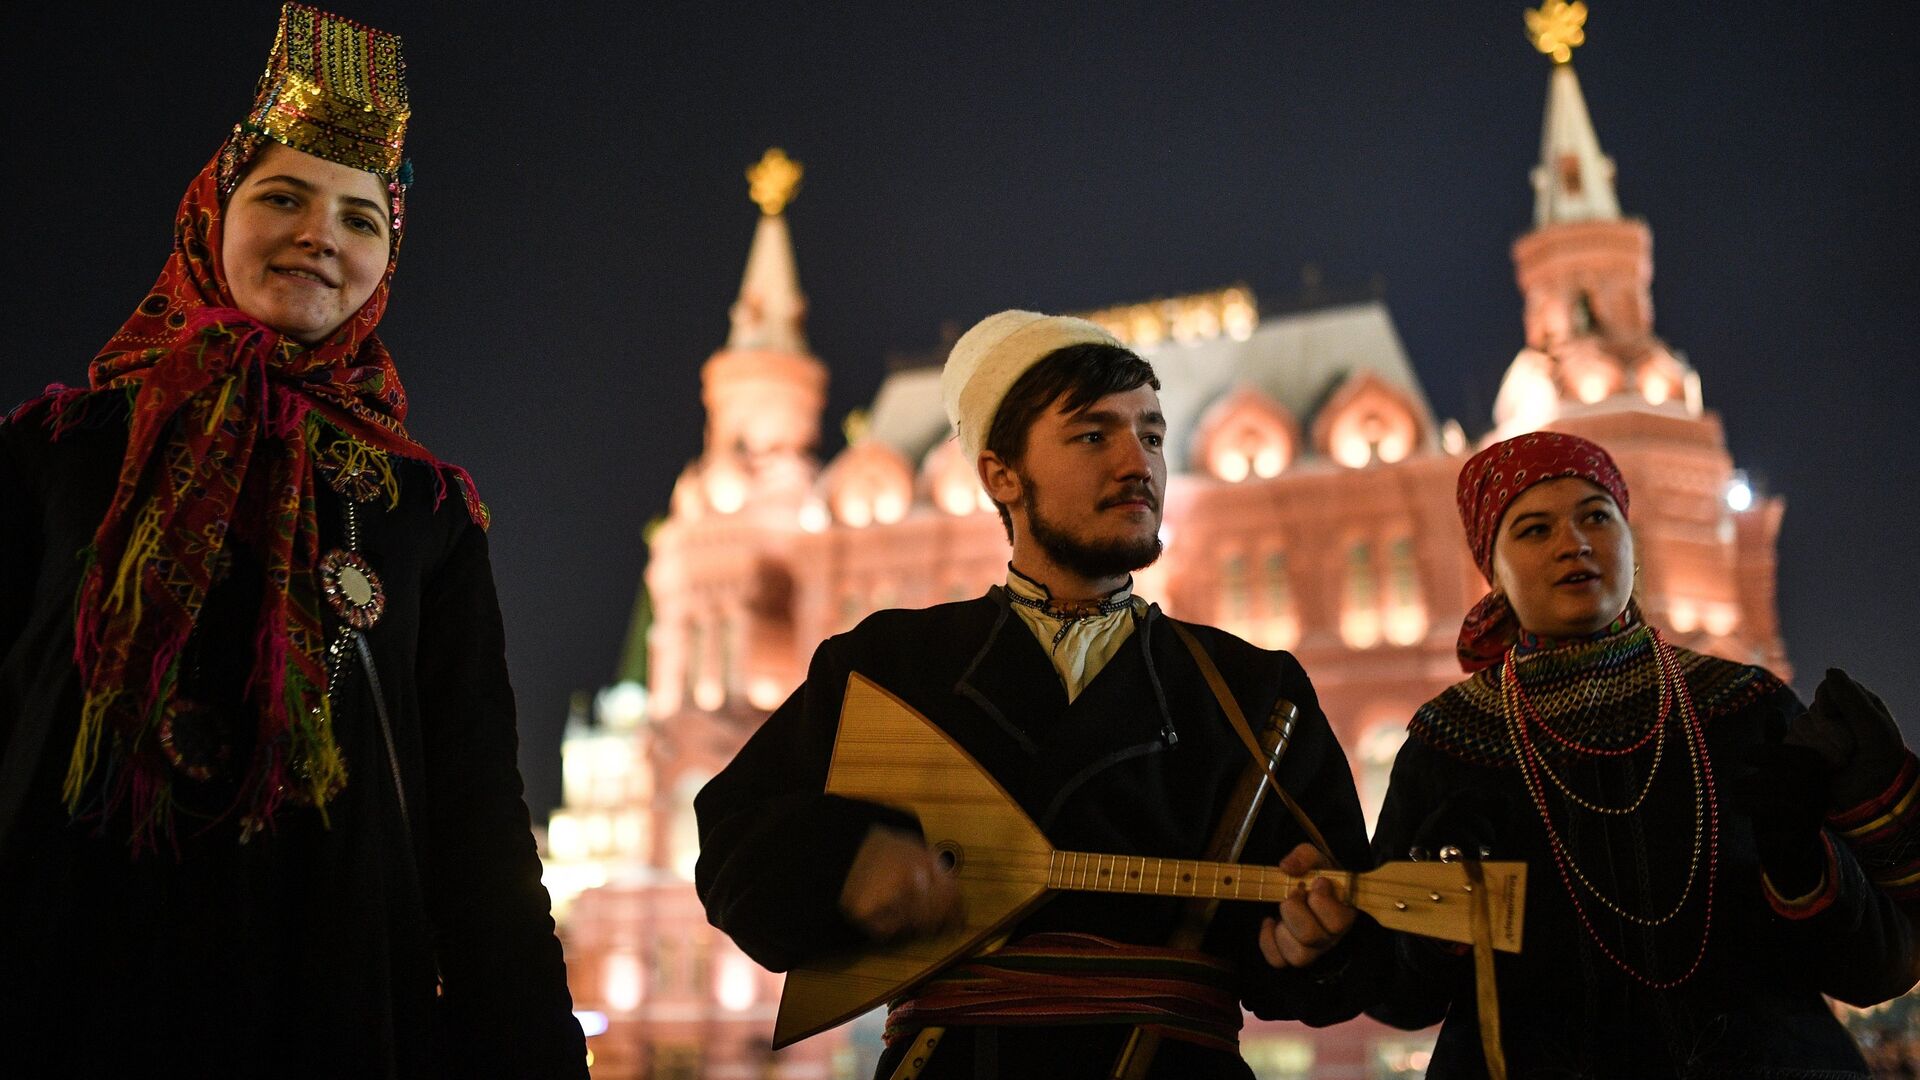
[1132, 493]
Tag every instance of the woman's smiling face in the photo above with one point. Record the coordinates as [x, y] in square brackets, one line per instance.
[305, 242]
[1564, 557]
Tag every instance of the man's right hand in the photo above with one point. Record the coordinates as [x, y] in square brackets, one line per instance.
[897, 888]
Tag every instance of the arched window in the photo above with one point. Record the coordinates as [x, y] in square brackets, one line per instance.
[1406, 617]
[696, 654]
[1280, 627]
[683, 845]
[1369, 420]
[707, 665]
[868, 483]
[853, 605]
[1233, 588]
[949, 477]
[1360, 604]
[1246, 434]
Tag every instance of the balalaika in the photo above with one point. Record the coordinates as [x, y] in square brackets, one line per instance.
[888, 753]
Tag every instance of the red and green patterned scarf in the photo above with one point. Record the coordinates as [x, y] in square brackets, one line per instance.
[224, 417]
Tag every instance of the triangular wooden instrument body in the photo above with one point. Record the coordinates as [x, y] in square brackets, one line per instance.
[888, 753]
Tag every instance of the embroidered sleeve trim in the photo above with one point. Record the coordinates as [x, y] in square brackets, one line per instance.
[1884, 833]
[1814, 902]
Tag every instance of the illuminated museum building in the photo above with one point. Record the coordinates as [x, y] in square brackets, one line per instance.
[1309, 508]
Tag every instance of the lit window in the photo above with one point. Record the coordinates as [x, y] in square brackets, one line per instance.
[1402, 1057]
[1233, 587]
[765, 694]
[1406, 621]
[738, 984]
[1280, 627]
[1374, 754]
[1683, 615]
[684, 840]
[1739, 492]
[1719, 619]
[564, 838]
[620, 983]
[1360, 613]
[1278, 1057]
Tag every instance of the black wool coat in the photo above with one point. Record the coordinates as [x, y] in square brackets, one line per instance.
[1097, 775]
[310, 950]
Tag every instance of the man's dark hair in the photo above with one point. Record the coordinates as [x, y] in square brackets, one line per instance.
[1076, 376]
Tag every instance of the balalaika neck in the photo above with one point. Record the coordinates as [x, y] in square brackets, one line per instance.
[1081, 872]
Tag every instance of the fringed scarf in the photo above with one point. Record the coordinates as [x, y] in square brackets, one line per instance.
[224, 415]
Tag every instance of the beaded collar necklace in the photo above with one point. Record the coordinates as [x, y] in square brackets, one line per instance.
[1526, 642]
[1066, 614]
[1522, 716]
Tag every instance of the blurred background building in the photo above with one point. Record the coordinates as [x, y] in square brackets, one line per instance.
[1309, 508]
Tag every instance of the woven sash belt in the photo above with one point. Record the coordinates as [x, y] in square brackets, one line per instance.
[1054, 979]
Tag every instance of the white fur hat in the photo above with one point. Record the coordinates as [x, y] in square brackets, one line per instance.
[991, 357]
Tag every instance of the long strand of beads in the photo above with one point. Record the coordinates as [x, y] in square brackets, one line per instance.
[1520, 705]
[1706, 805]
[1529, 772]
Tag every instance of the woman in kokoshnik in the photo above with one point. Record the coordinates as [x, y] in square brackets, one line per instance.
[1708, 857]
[260, 812]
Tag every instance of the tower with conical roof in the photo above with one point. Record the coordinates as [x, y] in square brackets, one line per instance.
[765, 389]
[1585, 270]
[1593, 366]
[712, 639]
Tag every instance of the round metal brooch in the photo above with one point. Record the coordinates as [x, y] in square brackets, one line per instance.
[189, 737]
[352, 588]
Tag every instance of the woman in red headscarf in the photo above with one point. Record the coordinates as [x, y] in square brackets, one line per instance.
[1687, 908]
[260, 813]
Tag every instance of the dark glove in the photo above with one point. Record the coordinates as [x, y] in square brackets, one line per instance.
[1472, 822]
[1855, 735]
[1784, 789]
[1470, 825]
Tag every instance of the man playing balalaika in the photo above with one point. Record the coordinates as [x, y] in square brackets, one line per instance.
[1107, 722]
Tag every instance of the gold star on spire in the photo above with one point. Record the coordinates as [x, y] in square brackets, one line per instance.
[1557, 28]
[773, 182]
[856, 426]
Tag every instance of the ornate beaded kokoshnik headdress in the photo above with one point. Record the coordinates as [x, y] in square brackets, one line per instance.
[333, 88]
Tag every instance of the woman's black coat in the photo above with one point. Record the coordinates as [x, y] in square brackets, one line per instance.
[309, 950]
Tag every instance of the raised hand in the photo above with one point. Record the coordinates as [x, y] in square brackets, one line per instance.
[1855, 735]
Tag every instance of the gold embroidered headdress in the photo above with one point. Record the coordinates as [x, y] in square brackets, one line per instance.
[334, 89]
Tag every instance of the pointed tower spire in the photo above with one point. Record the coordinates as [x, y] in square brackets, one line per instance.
[1574, 180]
[771, 311]
[764, 389]
[1585, 271]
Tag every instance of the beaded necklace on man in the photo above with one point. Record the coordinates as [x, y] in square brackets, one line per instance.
[1079, 637]
[1522, 716]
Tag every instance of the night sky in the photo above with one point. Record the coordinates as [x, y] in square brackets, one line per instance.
[580, 223]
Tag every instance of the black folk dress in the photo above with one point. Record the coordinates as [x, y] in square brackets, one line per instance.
[1752, 1007]
[310, 949]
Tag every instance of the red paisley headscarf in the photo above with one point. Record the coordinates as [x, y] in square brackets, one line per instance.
[1489, 482]
[223, 418]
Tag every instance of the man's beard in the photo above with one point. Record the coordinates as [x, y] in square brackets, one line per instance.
[1092, 560]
